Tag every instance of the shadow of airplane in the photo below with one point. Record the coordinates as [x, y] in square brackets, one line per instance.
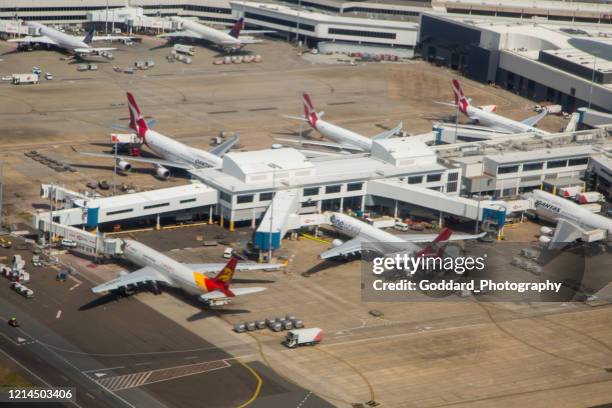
[320, 267]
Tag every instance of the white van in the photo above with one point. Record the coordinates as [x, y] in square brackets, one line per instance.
[227, 254]
[68, 243]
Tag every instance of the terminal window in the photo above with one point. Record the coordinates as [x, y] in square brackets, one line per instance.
[354, 186]
[434, 177]
[119, 211]
[556, 163]
[148, 207]
[333, 189]
[533, 166]
[187, 200]
[225, 197]
[579, 161]
[451, 187]
[359, 33]
[265, 196]
[453, 176]
[247, 198]
[311, 191]
[415, 179]
[507, 169]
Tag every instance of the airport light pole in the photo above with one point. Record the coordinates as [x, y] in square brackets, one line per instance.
[106, 20]
[274, 167]
[115, 169]
[592, 78]
[297, 24]
[1, 194]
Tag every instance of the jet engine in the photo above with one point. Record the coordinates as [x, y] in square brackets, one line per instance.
[337, 242]
[546, 231]
[544, 240]
[123, 165]
[162, 172]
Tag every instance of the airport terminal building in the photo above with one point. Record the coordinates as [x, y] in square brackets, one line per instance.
[559, 63]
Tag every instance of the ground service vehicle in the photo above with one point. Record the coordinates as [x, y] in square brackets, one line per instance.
[303, 337]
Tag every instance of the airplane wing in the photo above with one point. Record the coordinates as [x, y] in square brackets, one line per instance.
[350, 247]
[216, 267]
[181, 34]
[388, 133]
[160, 162]
[217, 294]
[92, 50]
[566, 232]
[222, 148]
[303, 119]
[532, 121]
[319, 143]
[30, 39]
[111, 38]
[431, 237]
[138, 277]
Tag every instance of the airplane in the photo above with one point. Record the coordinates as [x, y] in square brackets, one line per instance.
[173, 153]
[228, 40]
[159, 269]
[361, 233]
[52, 37]
[572, 221]
[484, 115]
[344, 139]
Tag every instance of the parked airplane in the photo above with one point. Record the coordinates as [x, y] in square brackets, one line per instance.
[228, 40]
[173, 153]
[385, 242]
[572, 221]
[344, 139]
[53, 38]
[159, 269]
[484, 115]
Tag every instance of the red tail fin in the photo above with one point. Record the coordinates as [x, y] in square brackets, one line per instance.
[430, 249]
[235, 31]
[460, 99]
[309, 111]
[227, 273]
[137, 122]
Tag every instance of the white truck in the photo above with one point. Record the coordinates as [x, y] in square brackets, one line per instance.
[184, 49]
[381, 222]
[21, 79]
[303, 337]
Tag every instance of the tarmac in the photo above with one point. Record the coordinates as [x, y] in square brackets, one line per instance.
[165, 350]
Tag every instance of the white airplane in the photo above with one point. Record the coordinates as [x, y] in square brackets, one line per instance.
[53, 38]
[572, 221]
[344, 139]
[159, 269]
[484, 115]
[173, 153]
[383, 241]
[228, 40]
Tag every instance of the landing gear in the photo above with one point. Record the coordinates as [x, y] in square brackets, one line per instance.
[155, 289]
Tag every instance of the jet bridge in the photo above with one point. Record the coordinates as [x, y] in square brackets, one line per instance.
[275, 222]
[435, 200]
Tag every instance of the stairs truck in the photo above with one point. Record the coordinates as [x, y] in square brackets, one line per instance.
[303, 337]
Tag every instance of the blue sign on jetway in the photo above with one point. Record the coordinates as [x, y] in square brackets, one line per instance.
[262, 240]
[498, 216]
[92, 217]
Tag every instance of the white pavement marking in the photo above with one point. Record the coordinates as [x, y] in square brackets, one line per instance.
[103, 369]
[73, 287]
[304, 400]
[59, 314]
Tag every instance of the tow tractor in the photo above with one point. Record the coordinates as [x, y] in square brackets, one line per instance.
[13, 322]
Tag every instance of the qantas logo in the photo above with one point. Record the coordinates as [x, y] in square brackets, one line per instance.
[548, 206]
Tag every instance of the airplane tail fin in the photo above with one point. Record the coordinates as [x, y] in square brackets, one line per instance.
[89, 37]
[137, 122]
[460, 100]
[227, 273]
[435, 246]
[239, 25]
[309, 111]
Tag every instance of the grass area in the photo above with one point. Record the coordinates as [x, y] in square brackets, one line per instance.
[10, 378]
